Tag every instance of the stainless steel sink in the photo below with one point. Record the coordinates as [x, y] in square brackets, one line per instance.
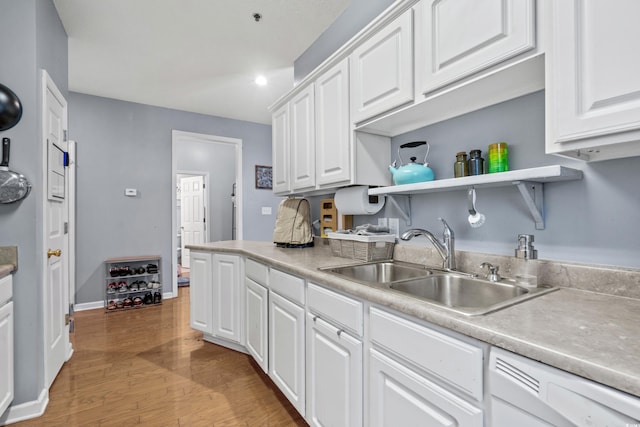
[467, 295]
[379, 272]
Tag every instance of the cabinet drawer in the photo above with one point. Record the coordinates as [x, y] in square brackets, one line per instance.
[286, 285]
[256, 271]
[447, 358]
[6, 288]
[345, 311]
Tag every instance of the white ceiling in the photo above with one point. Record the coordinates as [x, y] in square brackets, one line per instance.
[193, 55]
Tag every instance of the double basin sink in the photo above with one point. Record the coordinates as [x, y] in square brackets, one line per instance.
[459, 292]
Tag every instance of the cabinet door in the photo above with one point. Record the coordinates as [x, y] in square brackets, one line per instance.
[286, 349]
[333, 141]
[593, 89]
[227, 321]
[280, 150]
[399, 396]
[256, 298]
[6, 356]
[457, 38]
[200, 291]
[334, 375]
[382, 70]
[303, 156]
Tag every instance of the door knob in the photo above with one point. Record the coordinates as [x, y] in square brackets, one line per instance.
[51, 253]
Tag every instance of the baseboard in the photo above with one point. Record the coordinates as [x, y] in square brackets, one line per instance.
[88, 306]
[27, 410]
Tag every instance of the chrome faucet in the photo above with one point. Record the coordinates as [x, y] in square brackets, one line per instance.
[446, 248]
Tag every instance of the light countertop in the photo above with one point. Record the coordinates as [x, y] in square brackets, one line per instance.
[590, 334]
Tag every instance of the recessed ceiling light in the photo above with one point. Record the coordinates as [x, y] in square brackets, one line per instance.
[261, 81]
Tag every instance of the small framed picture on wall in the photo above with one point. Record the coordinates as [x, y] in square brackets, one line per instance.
[264, 177]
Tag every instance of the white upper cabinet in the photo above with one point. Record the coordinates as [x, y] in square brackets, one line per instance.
[382, 70]
[333, 147]
[593, 83]
[280, 149]
[303, 156]
[457, 38]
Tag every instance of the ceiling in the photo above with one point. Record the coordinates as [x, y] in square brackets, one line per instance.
[200, 56]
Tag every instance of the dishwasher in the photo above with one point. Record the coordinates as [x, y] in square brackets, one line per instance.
[526, 393]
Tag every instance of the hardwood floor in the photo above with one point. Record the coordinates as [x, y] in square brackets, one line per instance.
[148, 367]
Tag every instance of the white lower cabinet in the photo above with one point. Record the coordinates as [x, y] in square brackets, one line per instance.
[399, 396]
[257, 322]
[200, 275]
[334, 359]
[6, 355]
[286, 349]
[227, 307]
[215, 295]
[420, 376]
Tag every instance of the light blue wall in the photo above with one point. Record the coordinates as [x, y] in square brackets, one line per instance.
[594, 220]
[127, 145]
[31, 37]
[355, 17]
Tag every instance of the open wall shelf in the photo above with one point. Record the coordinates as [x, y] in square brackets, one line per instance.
[530, 183]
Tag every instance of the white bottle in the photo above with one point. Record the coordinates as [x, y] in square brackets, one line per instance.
[526, 264]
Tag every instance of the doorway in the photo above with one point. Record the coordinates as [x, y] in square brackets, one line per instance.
[219, 161]
[192, 205]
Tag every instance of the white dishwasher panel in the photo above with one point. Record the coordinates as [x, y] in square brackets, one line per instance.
[531, 394]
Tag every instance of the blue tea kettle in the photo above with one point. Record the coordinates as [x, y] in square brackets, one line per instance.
[412, 172]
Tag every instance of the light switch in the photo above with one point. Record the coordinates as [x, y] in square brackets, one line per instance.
[266, 210]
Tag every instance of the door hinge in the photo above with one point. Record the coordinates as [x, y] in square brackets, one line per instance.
[67, 319]
[64, 135]
[66, 228]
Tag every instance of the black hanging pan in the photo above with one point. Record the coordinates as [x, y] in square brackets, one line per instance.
[13, 186]
[10, 108]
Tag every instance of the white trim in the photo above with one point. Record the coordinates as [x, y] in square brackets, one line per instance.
[89, 306]
[27, 410]
[176, 135]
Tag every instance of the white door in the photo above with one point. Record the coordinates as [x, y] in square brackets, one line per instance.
[382, 70]
[200, 306]
[398, 396]
[303, 155]
[286, 349]
[455, 39]
[6, 356]
[227, 320]
[593, 89]
[280, 151]
[333, 141]
[256, 297]
[192, 214]
[56, 287]
[334, 375]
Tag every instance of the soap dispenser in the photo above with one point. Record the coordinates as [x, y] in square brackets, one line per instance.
[526, 264]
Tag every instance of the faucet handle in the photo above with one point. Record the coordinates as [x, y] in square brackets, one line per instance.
[493, 275]
[447, 229]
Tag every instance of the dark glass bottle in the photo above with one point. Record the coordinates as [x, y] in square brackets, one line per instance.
[476, 162]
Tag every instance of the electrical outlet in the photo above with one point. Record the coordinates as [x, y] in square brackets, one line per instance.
[266, 210]
[394, 227]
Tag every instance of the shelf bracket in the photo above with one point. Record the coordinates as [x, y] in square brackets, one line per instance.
[533, 195]
[404, 213]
